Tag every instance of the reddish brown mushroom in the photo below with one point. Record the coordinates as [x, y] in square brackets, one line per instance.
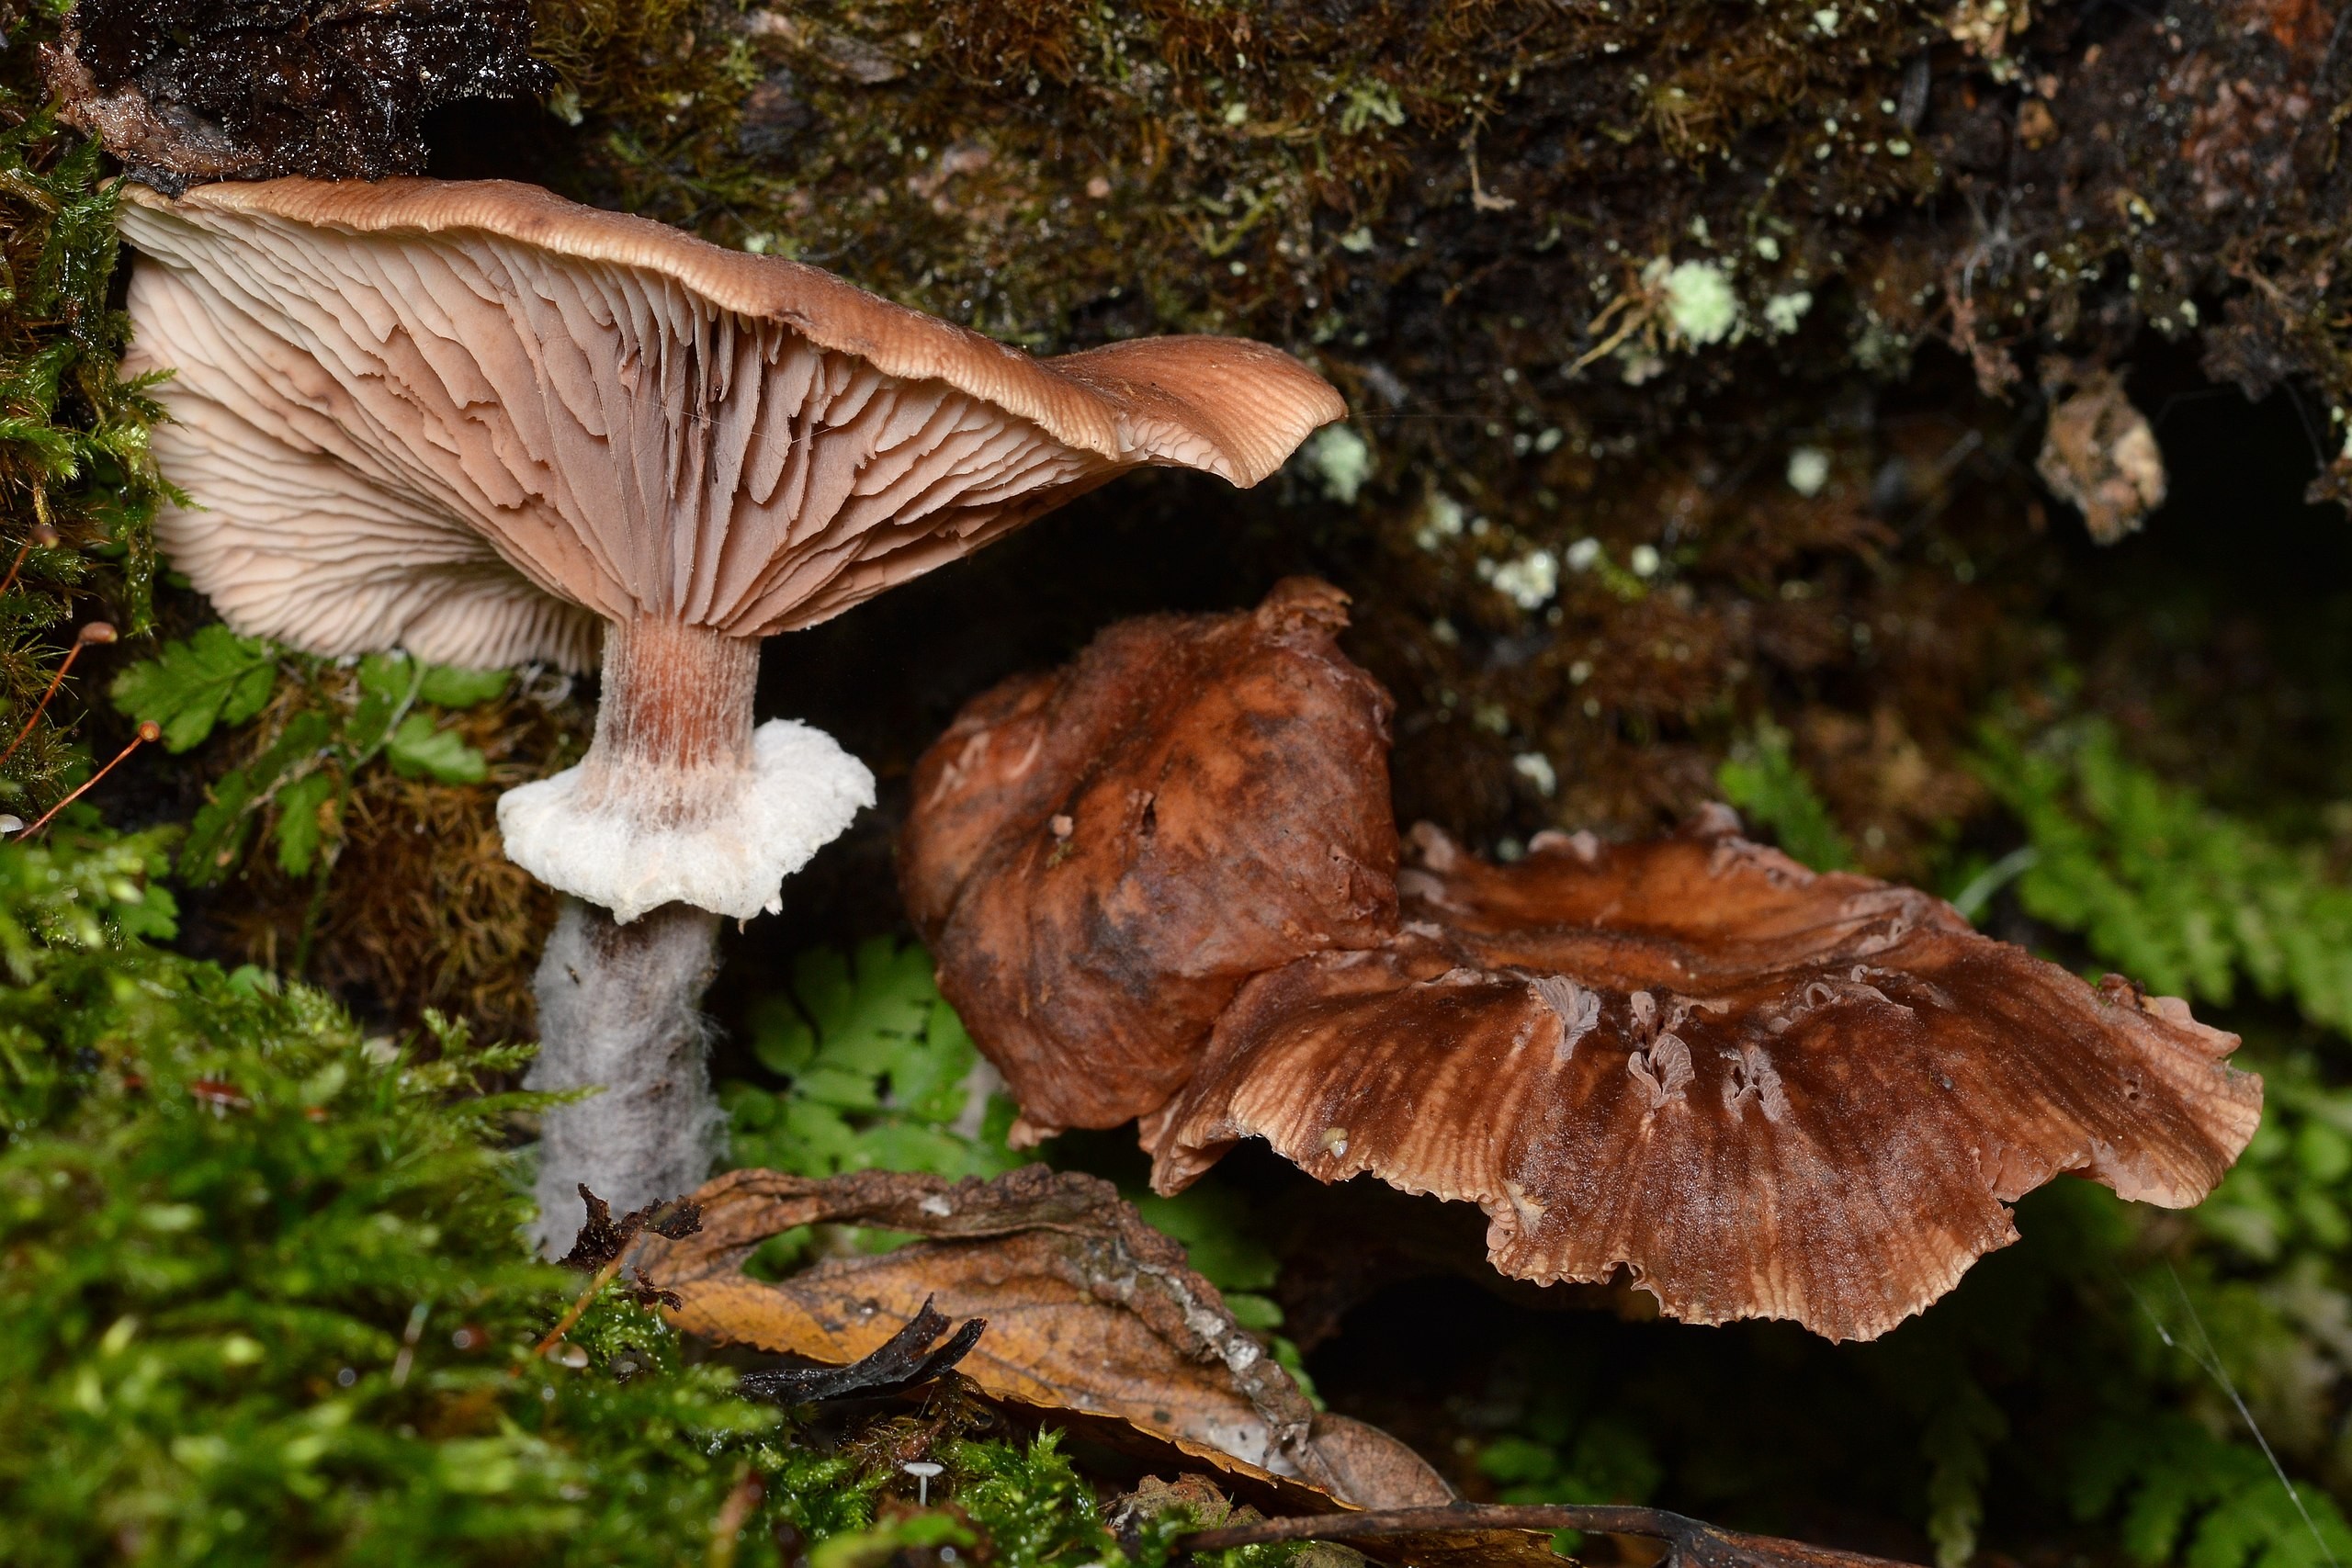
[1761, 1092]
[1758, 1090]
[1099, 857]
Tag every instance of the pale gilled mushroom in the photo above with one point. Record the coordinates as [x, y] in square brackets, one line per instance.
[487, 425]
[1761, 1092]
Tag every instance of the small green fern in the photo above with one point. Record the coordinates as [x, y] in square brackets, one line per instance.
[2183, 1496]
[331, 724]
[1763, 779]
[2186, 900]
[875, 1071]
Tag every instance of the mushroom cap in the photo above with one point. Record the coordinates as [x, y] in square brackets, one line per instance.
[472, 418]
[1099, 857]
[1762, 1091]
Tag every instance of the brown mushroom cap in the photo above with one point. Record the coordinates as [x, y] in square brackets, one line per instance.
[1761, 1092]
[1099, 857]
[456, 416]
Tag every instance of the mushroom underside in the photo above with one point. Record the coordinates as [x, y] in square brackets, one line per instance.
[615, 443]
[632, 421]
[1816, 1110]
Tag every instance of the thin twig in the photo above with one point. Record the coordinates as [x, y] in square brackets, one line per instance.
[733, 1515]
[407, 1358]
[1691, 1543]
[43, 537]
[96, 631]
[602, 1278]
[148, 731]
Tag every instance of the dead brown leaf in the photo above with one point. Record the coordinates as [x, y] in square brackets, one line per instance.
[1088, 1307]
[2100, 454]
[1091, 1315]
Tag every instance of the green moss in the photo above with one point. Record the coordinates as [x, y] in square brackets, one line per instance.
[265, 1292]
[73, 432]
[267, 1298]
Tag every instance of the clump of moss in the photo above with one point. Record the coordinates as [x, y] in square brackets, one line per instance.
[77, 488]
[266, 1293]
[420, 908]
[267, 1297]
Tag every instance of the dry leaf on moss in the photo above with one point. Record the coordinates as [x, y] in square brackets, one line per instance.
[1090, 1310]
[903, 1360]
[1088, 1307]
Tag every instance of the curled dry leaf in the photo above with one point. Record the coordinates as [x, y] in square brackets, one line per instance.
[908, 1358]
[1099, 857]
[1088, 1306]
[1089, 1312]
[602, 1238]
[2100, 454]
[1760, 1090]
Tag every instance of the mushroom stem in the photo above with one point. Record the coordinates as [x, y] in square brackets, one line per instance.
[618, 1003]
[680, 799]
[619, 1013]
[677, 706]
[678, 794]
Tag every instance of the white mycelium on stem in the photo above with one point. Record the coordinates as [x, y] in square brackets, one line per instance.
[680, 799]
[492, 426]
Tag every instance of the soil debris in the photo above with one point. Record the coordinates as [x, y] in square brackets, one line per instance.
[602, 1239]
[184, 91]
[2101, 455]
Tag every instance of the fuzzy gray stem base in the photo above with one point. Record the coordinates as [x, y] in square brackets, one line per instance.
[618, 1007]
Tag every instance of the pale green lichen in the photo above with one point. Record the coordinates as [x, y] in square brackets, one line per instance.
[1808, 471]
[1442, 518]
[1527, 582]
[1699, 303]
[1784, 312]
[1340, 460]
